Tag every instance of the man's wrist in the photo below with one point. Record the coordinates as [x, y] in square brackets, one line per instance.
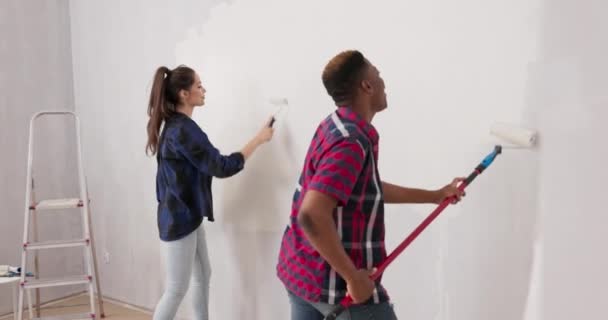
[435, 196]
[350, 275]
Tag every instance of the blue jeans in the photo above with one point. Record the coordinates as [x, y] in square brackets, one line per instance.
[305, 310]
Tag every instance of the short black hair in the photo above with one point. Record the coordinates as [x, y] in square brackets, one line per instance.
[342, 73]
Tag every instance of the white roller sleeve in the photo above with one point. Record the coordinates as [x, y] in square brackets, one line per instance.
[278, 101]
[516, 135]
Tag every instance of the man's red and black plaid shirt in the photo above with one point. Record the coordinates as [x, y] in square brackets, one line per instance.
[341, 162]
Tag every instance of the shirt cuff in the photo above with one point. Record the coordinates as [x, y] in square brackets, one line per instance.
[240, 158]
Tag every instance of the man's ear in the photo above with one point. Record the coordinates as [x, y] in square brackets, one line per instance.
[366, 86]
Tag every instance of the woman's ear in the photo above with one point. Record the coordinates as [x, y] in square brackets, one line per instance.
[183, 95]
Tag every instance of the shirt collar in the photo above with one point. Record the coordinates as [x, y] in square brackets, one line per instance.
[348, 114]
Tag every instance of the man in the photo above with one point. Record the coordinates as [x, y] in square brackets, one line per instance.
[336, 234]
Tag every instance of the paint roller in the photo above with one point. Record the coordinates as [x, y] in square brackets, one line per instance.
[517, 137]
[281, 103]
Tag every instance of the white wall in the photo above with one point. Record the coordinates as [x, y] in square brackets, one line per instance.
[35, 75]
[569, 82]
[116, 47]
[451, 70]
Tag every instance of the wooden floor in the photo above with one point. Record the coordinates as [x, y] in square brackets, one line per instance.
[80, 304]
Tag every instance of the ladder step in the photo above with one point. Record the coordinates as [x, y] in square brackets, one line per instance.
[56, 244]
[55, 204]
[66, 281]
[68, 317]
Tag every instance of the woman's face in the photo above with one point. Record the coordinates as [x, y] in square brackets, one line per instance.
[195, 96]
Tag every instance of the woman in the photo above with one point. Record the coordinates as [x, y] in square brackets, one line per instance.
[187, 161]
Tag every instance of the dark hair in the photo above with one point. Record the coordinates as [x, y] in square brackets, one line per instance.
[164, 99]
[342, 73]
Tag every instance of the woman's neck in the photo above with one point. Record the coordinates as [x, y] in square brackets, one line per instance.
[187, 110]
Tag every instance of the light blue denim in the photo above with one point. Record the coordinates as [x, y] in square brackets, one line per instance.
[304, 310]
[187, 265]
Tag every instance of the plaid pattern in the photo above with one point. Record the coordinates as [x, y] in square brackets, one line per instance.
[342, 163]
[187, 161]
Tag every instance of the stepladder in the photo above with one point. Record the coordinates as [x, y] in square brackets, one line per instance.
[89, 278]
